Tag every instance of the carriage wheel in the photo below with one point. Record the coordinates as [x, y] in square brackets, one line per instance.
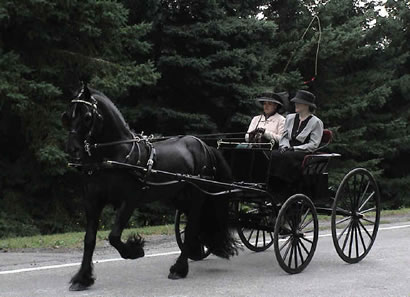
[180, 222]
[255, 221]
[296, 233]
[355, 215]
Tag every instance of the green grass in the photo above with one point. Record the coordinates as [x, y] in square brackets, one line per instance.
[75, 239]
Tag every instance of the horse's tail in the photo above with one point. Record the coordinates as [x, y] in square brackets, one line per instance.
[215, 232]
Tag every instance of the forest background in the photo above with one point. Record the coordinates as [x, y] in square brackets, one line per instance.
[192, 67]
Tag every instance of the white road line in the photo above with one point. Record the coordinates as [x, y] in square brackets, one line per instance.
[78, 263]
[146, 256]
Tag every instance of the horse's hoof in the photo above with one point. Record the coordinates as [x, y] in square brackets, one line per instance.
[173, 275]
[77, 287]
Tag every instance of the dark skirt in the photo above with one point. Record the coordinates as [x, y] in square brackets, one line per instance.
[286, 169]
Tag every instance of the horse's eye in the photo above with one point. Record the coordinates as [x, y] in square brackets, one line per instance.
[87, 117]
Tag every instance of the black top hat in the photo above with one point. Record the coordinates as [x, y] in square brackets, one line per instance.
[273, 97]
[304, 97]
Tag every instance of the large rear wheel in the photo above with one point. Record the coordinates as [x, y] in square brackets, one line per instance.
[296, 233]
[355, 215]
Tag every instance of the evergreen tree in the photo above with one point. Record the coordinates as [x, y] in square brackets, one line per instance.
[213, 57]
[45, 48]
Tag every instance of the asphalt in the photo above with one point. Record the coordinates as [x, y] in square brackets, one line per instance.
[384, 272]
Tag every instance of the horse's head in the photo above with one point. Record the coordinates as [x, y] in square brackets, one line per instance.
[83, 121]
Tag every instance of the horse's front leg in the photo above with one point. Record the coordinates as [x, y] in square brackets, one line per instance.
[134, 247]
[84, 277]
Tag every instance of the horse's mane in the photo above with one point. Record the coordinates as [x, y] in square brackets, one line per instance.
[101, 97]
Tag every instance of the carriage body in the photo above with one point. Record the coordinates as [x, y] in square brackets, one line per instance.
[289, 221]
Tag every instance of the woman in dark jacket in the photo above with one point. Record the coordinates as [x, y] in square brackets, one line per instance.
[302, 134]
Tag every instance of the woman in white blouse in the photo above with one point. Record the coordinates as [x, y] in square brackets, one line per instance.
[269, 126]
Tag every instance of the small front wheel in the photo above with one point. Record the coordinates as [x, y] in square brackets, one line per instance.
[296, 233]
[255, 221]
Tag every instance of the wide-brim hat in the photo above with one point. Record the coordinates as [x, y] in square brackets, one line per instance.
[273, 97]
[304, 97]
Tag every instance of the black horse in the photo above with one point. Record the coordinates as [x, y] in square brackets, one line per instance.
[98, 132]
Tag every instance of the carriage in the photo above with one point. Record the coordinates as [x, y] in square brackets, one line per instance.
[126, 170]
[264, 217]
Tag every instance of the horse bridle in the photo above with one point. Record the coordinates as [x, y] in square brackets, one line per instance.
[135, 138]
[95, 113]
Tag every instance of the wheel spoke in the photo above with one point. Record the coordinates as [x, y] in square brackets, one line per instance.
[296, 256]
[287, 250]
[250, 235]
[344, 211]
[369, 221]
[283, 245]
[357, 243]
[368, 198]
[290, 222]
[311, 242]
[300, 253]
[347, 236]
[364, 228]
[344, 230]
[364, 193]
[291, 254]
[361, 239]
[307, 224]
[264, 238]
[351, 240]
[257, 238]
[359, 191]
[304, 247]
[354, 191]
[368, 210]
[304, 217]
[343, 220]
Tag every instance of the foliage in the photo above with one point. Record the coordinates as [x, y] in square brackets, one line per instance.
[185, 66]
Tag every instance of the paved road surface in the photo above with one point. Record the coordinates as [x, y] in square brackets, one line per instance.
[384, 272]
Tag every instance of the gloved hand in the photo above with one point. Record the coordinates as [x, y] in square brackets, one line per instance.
[260, 130]
[283, 149]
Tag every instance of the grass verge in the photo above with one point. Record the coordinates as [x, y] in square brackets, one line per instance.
[75, 239]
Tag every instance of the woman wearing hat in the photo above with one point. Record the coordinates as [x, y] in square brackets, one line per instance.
[267, 127]
[302, 134]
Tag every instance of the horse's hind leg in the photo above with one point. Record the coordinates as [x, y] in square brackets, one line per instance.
[180, 268]
[84, 277]
[133, 248]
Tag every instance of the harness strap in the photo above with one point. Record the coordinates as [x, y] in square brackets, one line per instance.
[150, 161]
[208, 153]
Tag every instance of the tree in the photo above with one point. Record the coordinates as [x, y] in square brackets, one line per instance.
[213, 57]
[45, 48]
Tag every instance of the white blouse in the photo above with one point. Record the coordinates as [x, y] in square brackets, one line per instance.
[274, 126]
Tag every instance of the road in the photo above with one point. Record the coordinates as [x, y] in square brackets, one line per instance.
[384, 272]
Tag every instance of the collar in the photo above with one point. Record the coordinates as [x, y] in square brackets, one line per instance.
[267, 116]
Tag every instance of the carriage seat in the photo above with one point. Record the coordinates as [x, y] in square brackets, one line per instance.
[317, 162]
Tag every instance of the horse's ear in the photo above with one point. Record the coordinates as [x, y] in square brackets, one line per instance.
[65, 120]
[86, 91]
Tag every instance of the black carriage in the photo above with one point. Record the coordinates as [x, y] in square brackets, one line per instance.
[127, 170]
[264, 217]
